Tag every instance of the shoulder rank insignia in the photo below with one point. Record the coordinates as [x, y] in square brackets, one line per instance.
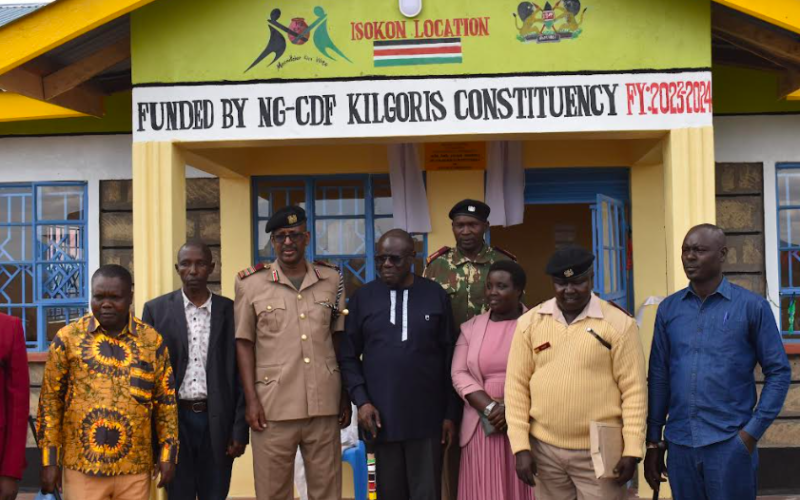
[326, 264]
[438, 253]
[506, 253]
[612, 303]
[252, 270]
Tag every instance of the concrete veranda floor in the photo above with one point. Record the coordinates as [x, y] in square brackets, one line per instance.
[30, 496]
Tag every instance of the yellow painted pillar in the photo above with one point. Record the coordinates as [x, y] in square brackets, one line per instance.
[689, 192]
[670, 192]
[236, 235]
[445, 189]
[236, 229]
[159, 218]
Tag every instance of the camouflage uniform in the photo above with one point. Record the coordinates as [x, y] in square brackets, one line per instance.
[464, 280]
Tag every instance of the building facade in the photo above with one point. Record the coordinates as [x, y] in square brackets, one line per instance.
[233, 110]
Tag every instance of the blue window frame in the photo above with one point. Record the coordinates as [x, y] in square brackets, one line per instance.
[43, 256]
[788, 200]
[346, 214]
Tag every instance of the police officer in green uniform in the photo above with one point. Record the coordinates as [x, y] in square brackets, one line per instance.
[462, 270]
[462, 273]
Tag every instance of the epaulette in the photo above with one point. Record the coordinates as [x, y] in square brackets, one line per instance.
[326, 264]
[252, 270]
[438, 253]
[611, 302]
[506, 253]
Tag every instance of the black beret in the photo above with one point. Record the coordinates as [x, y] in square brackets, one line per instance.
[569, 261]
[472, 208]
[290, 216]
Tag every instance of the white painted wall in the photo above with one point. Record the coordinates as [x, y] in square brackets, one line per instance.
[89, 158]
[768, 139]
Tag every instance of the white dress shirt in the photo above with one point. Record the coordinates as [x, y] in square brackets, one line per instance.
[198, 323]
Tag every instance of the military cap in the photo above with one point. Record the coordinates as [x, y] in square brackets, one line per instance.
[290, 216]
[569, 262]
[472, 208]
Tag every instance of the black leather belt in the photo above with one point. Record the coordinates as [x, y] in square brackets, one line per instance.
[195, 406]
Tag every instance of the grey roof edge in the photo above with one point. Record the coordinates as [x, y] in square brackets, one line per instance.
[13, 11]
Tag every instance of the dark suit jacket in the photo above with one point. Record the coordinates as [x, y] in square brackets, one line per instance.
[14, 397]
[225, 397]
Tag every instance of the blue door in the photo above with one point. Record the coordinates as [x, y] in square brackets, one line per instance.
[610, 235]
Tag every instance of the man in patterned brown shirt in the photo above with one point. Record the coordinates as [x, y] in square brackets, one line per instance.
[107, 384]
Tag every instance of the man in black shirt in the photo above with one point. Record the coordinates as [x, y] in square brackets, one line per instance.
[395, 361]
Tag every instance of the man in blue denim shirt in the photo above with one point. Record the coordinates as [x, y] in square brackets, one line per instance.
[708, 338]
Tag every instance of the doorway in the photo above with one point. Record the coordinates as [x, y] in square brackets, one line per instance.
[581, 206]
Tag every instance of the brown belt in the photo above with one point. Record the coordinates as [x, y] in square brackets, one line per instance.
[195, 406]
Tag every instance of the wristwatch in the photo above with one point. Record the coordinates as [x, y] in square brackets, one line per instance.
[489, 408]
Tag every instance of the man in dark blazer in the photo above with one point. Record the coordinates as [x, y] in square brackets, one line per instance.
[198, 330]
[14, 405]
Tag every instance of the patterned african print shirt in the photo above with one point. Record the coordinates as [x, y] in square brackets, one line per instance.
[463, 279]
[102, 396]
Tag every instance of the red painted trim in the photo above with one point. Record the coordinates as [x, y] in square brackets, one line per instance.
[37, 357]
[413, 51]
[792, 348]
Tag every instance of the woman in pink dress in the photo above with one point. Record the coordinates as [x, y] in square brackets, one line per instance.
[479, 375]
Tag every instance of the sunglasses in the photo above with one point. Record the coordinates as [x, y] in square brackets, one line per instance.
[295, 237]
[396, 260]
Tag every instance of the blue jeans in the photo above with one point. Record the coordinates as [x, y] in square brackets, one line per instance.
[199, 474]
[719, 471]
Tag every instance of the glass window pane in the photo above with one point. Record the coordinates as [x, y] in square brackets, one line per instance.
[606, 224]
[340, 237]
[60, 242]
[339, 197]
[789, 318]
[790, 268]
[382, 196]
[789, 186]
[16, 284]
[57, 318]
[16, 204]
[272, 195]
[60, 281]
[60, 202]
[15, 244]
[789, 227]
[608, 270]
[265, 251]
[382, 225]
[28, 317]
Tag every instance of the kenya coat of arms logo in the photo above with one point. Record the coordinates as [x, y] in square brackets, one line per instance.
[298, 33]
[549, 23]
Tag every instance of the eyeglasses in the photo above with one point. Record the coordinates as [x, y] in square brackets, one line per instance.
[280, 238]
[396, 260]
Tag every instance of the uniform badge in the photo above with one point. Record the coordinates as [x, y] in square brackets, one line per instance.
[569, 273]
[427, 317]
[471, 208]
[291, 219]
[542, 347]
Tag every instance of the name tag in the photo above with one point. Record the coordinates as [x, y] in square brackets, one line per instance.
[542, 347]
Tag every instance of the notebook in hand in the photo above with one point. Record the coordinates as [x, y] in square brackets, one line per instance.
[605, 441]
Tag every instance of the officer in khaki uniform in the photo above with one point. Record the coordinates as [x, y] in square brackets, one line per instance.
[462, 272]
[286, 316]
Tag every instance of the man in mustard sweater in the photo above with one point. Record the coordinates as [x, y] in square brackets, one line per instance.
[575, 359]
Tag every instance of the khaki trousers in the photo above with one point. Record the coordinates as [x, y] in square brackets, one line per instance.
[274, 451]
[80, 486]
[569, 475]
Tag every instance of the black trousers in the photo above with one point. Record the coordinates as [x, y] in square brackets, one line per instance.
[409, 470]
[199, 474]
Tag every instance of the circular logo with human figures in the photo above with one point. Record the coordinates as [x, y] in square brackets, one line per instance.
[106, 435]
